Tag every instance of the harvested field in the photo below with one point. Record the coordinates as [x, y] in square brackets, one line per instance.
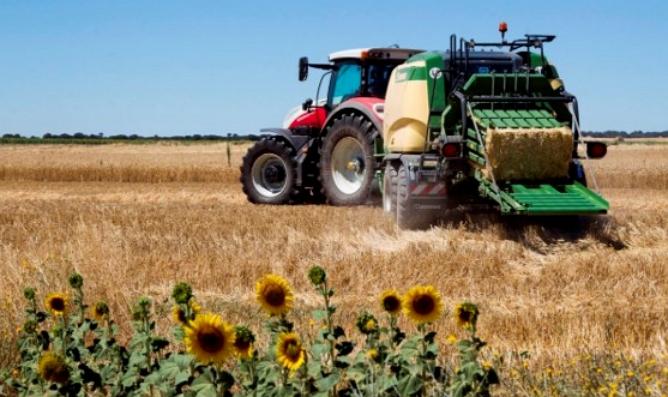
[133, 219]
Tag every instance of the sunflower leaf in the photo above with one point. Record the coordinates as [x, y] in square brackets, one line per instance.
[319, 315]
[328, 382]
[409, 385]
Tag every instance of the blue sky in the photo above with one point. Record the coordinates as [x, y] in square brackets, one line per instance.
[173, 67]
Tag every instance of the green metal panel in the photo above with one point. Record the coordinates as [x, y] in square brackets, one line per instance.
[566, 199]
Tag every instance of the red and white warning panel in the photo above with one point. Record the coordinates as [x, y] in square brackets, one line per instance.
[428, 189]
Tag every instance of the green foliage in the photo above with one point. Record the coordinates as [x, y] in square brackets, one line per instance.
[77, 353]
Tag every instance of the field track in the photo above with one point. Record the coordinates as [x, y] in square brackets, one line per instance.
[133, 219]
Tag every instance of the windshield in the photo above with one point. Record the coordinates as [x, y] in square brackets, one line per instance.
[348, 81]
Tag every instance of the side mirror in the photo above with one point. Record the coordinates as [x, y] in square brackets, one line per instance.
[303, 68]
[307, 104]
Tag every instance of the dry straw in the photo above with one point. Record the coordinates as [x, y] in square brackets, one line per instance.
[529, 153]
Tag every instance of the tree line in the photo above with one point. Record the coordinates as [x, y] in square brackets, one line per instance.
[101, 137]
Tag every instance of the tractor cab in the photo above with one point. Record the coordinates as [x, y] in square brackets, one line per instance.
[356, 73]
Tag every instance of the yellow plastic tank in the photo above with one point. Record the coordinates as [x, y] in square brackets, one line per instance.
[406, 109]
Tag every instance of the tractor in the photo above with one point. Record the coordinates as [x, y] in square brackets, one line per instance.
[329, 149]
[486, 123]
[483, 123]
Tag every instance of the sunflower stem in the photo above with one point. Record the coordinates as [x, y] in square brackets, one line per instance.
[324, 290]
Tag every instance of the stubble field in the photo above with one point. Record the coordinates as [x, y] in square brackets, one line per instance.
[134, 219]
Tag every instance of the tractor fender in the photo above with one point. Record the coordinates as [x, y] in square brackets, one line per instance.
[369, 108]
[296, 141]
[299, 143]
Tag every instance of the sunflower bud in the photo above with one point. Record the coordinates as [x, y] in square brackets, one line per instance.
[182, 293]
[29, 293]
[243, 341]
[75, 280]
[466, 315]
[30, 326]
[141, 309]
[317, 275]
[366, 323]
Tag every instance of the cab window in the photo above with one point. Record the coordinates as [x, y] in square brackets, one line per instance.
[347, 84]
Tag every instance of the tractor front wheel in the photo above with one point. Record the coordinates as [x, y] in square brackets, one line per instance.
[347, 164]
[268, 172]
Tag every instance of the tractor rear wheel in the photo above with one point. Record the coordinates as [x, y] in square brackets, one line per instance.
[268, 172]
[408, 217]
[347, 163]
[390, 190]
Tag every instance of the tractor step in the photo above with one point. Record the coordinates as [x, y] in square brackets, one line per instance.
[564, 199]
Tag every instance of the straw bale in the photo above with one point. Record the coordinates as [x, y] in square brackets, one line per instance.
[529, 153]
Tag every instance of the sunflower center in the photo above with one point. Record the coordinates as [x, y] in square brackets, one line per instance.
[423, 305]
[58, 304]
[465, 316]
[292, 349]
[274, 295]
[391, 303]
[211, 340]
[241, 344]
[181, 315]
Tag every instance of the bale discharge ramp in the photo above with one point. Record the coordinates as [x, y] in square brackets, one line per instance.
[522, 154]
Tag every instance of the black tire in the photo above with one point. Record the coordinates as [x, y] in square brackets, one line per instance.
[390, 190]
[271, 183]
[407, 216]
[348, 130]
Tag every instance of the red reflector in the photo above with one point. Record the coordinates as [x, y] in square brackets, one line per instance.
[596, 150]
[451, 150]
[503, 27]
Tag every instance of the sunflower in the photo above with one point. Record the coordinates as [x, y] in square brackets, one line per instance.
[422, 304]
[52, 367]
[390, 301]
[274, 294]
[466, 315]
[243, 342]
[366, 323]
[289, 351]
[179, 315]
[100, 311]
[56, 303]
[209, 338]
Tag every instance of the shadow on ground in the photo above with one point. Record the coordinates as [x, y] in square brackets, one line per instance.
[539, 233]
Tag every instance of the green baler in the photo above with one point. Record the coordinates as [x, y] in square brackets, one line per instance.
[469, 125]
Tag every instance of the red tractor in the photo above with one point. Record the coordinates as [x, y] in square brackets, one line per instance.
[328, 149]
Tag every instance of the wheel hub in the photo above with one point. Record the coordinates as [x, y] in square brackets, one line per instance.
[269, 174]
[348, 167]
[354, 165]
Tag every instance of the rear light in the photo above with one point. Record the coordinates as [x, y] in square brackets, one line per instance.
[451, 150]
[596, 150]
